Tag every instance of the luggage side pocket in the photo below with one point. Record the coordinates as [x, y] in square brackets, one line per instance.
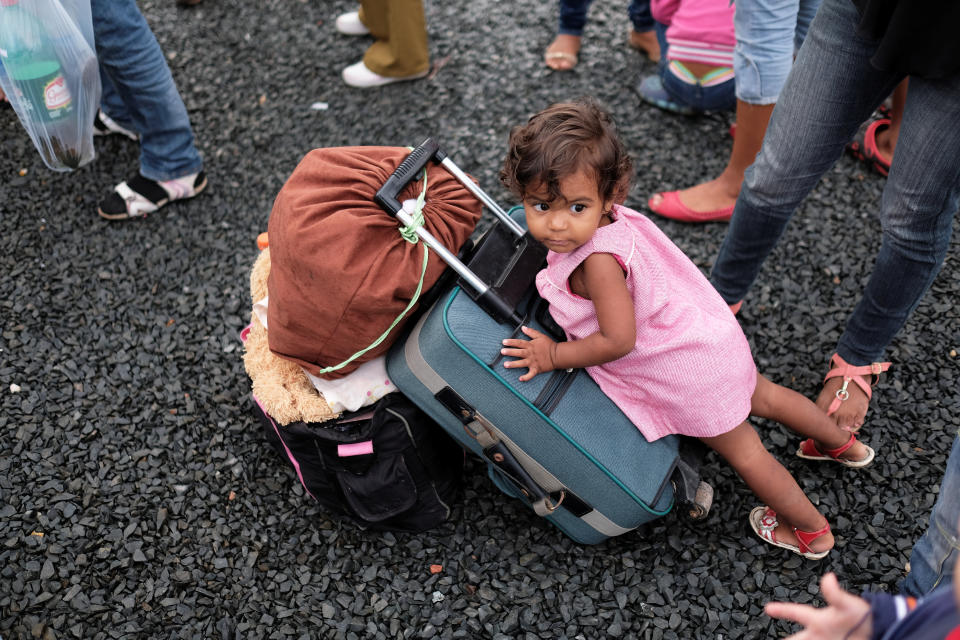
[385, 490]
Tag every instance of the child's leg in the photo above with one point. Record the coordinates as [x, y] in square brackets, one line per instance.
[772, 483]
[770, 400]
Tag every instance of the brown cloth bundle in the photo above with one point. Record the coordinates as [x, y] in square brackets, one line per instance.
[341, 273]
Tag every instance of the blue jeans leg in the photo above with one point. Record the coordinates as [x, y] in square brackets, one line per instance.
[112, 104]
[921, 196]
[934, 556]
[718, 97]
[768, 34]
[573, 16]
[131, 59]
[640, 16]
[831, 89]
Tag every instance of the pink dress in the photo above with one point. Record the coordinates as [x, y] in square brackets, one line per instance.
[691, 370]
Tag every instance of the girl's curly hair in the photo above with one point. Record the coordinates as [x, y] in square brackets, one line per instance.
[561, 140]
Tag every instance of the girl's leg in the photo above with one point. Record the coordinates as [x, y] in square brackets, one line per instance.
[789, 408]
[772, 483]
[887, 138]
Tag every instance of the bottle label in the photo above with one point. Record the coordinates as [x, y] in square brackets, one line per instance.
[56, 95]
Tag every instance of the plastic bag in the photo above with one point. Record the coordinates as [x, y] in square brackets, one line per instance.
[49, 71]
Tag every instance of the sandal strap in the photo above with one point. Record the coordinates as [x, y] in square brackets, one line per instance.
[853, 373]
[809, 448]
[804, 538]
[836, 453]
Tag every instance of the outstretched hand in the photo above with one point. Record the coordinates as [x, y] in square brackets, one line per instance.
[536, 354]
[846, 616]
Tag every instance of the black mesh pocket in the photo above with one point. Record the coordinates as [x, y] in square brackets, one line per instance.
[386, 489]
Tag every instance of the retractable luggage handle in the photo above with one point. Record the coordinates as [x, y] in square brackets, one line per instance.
[386, 198]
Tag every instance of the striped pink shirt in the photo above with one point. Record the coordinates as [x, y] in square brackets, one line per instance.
[697, 30]
[691, 370]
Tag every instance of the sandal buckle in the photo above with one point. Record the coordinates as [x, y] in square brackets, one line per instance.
[876, 368]
[842, 392]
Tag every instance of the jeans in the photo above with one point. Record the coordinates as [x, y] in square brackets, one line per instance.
[718, 97]
[139, 93]
[573, 16]
[934, 556]
[831, 89]
[769, 33]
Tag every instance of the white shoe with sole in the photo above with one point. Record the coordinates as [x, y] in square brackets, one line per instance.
[349, 24]
[358, 75]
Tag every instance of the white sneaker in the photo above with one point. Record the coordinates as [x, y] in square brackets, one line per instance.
[349, 24]
[357, 75]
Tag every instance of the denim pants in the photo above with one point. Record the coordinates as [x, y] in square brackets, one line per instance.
[934, 556]
[769, 33]
[573, 16]
[719, 97]
[139, 93]
[831, 89]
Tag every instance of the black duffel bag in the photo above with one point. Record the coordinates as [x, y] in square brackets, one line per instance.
[386, 467]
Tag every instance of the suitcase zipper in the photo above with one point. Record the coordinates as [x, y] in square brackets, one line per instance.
[554, 390]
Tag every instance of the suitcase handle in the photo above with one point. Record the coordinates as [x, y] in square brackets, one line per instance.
[386, 198]
[413, 164]
[540, 499]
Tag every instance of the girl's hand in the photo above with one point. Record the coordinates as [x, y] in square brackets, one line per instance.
[845, 616]
[536, 354]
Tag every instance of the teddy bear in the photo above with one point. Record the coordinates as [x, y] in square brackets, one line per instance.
[280, 386]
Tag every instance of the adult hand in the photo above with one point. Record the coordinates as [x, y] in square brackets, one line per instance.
[536, 354]
[846, 616]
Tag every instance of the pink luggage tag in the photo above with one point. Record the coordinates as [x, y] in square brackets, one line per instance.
[355, 449]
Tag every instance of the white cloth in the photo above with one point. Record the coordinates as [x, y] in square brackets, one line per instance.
[359, 389]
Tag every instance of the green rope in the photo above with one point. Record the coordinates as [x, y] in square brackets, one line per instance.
[408, 233]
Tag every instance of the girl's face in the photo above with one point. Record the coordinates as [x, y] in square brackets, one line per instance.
[567, 222]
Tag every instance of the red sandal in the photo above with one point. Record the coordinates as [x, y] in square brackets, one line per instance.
[764, 520]
[866, 150]
[809, 451]
[851, 372]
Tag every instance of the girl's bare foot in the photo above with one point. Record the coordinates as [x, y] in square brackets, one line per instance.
[852, 411]
[561, 55]
[706, 197]
[646, 41]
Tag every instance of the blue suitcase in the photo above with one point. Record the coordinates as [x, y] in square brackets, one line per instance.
[556, 442]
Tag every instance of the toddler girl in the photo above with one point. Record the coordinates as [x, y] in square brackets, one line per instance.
[648, 326]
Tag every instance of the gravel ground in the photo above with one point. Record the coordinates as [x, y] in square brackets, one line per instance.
[138, 498]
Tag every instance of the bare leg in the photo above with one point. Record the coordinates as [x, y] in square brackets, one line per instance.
[723, 190]
[772, 483]
[645, 41]
[887, 138]
[795, 411]
[561, 55]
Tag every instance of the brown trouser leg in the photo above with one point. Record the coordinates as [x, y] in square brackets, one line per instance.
[401, 32]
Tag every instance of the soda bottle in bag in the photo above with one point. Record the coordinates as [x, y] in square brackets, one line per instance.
[34, 70]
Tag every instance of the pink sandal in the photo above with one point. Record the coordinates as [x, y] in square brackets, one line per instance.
[764, 521]
[850, 372]
[808, 450]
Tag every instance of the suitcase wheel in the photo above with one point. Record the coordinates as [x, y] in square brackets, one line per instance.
[702, 501]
